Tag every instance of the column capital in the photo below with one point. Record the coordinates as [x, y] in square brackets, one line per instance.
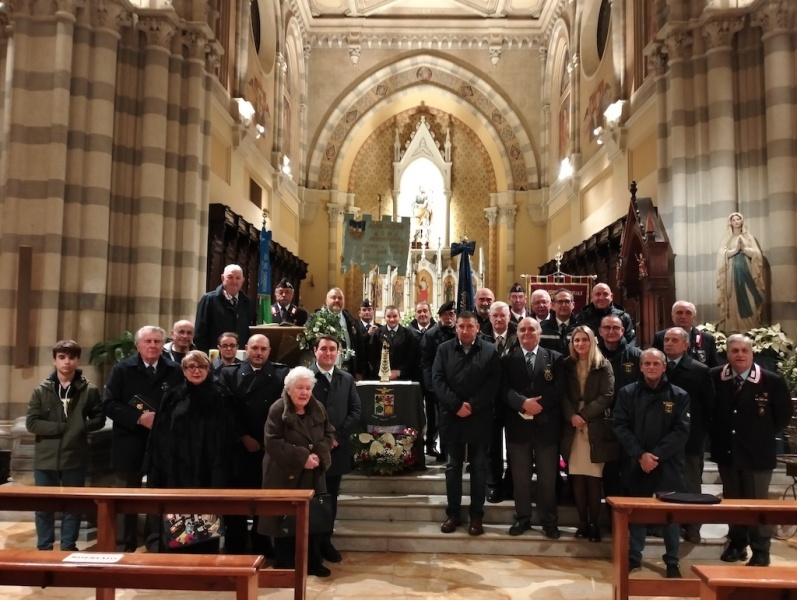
[543, 51]
[69, 7]
[507, 214]
[656, 60]
[491, 214]
[306, 51]
[336, 212]
[720, 31]
[213, 56]
[112, 15]
[775, 16]
[159, 30]
[195, 39]
[678, 45]
[546, 108]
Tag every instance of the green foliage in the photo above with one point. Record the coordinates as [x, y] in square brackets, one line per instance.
[114, 350]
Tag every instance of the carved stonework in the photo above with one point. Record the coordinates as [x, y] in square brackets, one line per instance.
[491, 214]
[678, 45]
[507, 214]
[656, 60]
[111, 14]
[336, 213]
[21, 7]
[213, 56]
[543, 54]
[775, 15]
[196, 41]
[159, 30]
[719, 32]
[306, 50]
[69, 7]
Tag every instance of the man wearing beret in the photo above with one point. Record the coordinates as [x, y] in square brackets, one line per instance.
[517, 304]
[283, 310]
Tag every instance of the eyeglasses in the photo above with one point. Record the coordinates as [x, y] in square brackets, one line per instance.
[228, 346]
[612, 328]
[195, 368]
[562, 301]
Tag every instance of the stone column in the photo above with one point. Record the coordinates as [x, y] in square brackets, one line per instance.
[337, 213]
[506, 230]
[575, 112]
[678, 46]
[491, 214]
[546, 95]
[776, 19]
[279, 111]
[148, 223]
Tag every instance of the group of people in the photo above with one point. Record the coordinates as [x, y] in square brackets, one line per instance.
[549, 382]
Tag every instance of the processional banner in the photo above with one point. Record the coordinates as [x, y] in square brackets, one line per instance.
[579, 285]
[382, 243]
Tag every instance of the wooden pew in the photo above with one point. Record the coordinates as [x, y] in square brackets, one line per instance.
[770, 583]
[197, 572]
[652, 511]
[107, 503]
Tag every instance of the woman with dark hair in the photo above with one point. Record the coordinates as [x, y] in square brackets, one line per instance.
[298, 443]
[191, 445]
[587, 437]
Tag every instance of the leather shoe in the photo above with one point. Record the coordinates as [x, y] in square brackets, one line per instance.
[582, 532]
[634, 566]
[673, 572]
[330, 554]
[758, 559]
[733, 554]
[519, 526]
[450, 525]
[594, 533]
[551, 532]
[440, 458]
[475, 527]
[494, 496]
[318, 571]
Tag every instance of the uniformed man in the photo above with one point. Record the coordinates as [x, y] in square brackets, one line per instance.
[702, 346]
[283, 310]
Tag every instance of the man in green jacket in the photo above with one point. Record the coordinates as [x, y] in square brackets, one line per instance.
[63, 409]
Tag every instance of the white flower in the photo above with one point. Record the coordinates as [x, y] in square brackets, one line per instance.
[376, 448]
[365, 438]
[387, 439]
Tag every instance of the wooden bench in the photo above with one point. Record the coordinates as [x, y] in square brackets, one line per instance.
[652, 511]
[734, 582]
[107, 503]
[197, 572]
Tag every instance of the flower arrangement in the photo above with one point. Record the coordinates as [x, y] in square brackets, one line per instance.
[383, 453]
[323, 322]
[788, 368]
[764, 338]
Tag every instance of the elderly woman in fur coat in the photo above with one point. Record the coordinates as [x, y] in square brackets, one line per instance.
[298, 443]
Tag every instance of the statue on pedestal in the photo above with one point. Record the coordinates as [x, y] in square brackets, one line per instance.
[740, 278]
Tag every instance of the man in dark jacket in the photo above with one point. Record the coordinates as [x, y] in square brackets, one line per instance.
[256, 385]
[693, 377]
[354, 364]
[226, 308]
[401, 343]
[467, 376]
[423, 318]
[557, 330]
[533, 384]
[430, 342]
[365, 327]
[131, 398]
[702, 346]
[483, 300]
[752, 406]
[337, 391]
[602, 305]
[651, 422]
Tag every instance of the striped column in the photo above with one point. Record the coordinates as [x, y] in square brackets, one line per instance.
[710, 227]
[281, 70]
[491, 214]
[678, 45]
[776, 19]
[336, 213]
[506, 229]
[149, 208]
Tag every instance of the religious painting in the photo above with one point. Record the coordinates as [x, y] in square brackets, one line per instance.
[449, 289]
[397, 292]
[423, 286]
[599, 100]
[375, 290]
[564, 127]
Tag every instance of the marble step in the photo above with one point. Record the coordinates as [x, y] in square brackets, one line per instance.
[426, 537]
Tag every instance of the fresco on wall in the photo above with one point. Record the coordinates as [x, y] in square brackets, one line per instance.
[256, 94]
[599, 100]
[564, 127]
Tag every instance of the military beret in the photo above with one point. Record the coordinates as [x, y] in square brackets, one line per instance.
[517, 288]
[446, 307]
[284, 283]
[365, 303]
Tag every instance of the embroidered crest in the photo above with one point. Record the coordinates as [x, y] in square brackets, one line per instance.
[701, 356]
[547, 373]
[668, 407]
[629, 367]
[384, 403]
[762, 401]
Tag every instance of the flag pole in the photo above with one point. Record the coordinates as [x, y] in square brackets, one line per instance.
[264, 275]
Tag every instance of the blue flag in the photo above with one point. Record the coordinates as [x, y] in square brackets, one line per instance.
[264, 279]
[465, 295]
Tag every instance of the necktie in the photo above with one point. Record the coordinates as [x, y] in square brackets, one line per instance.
[671, 366]
[499, 343]
[562, 329]
[392, 334]
[151, 371]
[530, 363]
[423, 330]
[739, 381]
[328, 375]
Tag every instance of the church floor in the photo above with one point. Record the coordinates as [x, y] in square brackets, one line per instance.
[397, 576]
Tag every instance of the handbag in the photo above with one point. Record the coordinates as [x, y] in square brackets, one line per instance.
[321, 517]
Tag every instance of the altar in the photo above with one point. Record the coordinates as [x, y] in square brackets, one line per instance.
[393, 407]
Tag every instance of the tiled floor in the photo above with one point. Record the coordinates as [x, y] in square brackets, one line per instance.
[400, 576]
